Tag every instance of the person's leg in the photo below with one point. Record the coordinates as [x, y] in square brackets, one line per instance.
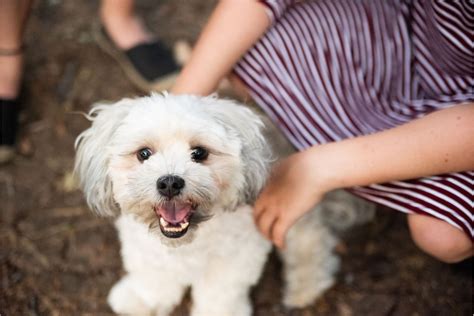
[13, 16]
[148, 62]
[122, 24]
[439, 239]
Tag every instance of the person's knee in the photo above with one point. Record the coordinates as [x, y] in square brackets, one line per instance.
[440, 239]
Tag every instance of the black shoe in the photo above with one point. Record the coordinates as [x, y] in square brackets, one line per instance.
[8, 128]
[150, 66]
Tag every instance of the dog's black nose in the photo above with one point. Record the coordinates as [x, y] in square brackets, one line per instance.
[170, 185]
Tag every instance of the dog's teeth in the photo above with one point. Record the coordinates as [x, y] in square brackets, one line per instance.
[173, 229]
[163, 222]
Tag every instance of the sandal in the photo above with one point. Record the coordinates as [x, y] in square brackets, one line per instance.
[150, 66]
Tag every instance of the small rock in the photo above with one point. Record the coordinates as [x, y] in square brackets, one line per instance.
[68, 183]
[25, 147]
[344, 309]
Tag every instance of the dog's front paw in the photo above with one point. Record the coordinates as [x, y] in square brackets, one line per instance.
[307, 282]
[306, 293]
[124, 301]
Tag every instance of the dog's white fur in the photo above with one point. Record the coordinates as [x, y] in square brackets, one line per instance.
[220, 258]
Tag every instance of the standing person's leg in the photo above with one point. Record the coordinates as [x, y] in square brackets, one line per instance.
[148, 62]
[13, 16]
[123, 26]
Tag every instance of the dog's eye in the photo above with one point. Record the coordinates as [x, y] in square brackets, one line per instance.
[199, 154]
[144, 154]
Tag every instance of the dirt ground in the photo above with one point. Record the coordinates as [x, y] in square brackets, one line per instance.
[56, 258]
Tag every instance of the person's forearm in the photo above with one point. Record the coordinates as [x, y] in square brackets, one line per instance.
[438, 143]
[233, 28]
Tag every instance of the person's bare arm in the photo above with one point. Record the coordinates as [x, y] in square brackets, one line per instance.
[438, 143]
[234, 26]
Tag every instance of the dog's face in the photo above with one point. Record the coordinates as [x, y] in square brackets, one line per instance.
[172, 161]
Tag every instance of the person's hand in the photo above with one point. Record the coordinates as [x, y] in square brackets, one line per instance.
[292, 190]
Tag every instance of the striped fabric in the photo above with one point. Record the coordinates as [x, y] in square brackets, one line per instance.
[332, 69]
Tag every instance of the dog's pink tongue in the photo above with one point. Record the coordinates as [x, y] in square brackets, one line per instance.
[174, 212]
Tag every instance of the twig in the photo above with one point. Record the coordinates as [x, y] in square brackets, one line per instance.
[29, 246]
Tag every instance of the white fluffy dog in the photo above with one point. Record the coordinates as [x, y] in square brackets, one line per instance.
[180, 172]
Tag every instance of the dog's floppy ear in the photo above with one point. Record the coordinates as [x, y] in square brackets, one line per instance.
[255, 152]
[92, 156]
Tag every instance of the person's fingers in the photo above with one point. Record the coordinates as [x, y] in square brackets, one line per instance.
[266, 221]
[258, 217]
[278, 234]
[279, 231]
[258, 208]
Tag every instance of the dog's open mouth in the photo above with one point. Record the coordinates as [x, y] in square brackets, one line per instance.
[174, 218]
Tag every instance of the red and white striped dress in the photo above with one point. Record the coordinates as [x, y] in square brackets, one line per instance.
[333, 69]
